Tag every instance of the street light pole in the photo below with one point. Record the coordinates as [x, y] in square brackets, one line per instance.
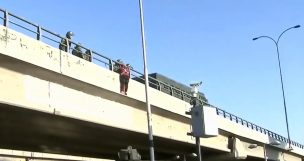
[195, 102]
[149, 117]
[281, 77]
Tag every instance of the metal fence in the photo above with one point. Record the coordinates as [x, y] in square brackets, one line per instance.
[41, 34]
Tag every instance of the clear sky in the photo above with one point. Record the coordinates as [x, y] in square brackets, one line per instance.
[189, 40]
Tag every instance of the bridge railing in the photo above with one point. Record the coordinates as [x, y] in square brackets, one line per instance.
[41, 34]
[252, 126]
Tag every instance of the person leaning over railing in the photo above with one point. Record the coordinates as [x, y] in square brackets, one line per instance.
[77, 51]
[117, 65]
[65, 43]
[87, 56]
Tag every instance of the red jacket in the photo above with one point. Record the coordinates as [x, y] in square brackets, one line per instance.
[124, 70]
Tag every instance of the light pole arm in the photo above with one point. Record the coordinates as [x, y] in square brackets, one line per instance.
[297, 26]
[268, 37]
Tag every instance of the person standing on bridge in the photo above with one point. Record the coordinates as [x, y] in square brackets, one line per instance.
[87, 55]
[65, 43]
[77, 51]
[124, 77]
[117, 65]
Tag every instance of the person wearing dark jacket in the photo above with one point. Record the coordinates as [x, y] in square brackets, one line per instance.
[87, 55]
[116, 65]
[65, 43]
[77, 51]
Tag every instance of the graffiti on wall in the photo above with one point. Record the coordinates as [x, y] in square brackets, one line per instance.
[25, 43]
[7, 36]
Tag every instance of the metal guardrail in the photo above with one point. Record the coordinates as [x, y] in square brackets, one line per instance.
[255, 127]
[42, 34]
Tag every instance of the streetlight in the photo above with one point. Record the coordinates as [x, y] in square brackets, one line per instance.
[195, 101]
[281, 77]
[149, 118]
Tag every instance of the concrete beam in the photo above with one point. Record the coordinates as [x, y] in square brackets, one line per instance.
[17, 155]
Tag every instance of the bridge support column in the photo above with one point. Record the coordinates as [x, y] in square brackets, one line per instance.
[238, 150]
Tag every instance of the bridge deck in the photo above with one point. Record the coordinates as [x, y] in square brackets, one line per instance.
[52, 98]
[52, 101]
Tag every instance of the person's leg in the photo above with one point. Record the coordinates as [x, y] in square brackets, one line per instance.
[122, 88]
[126, 86]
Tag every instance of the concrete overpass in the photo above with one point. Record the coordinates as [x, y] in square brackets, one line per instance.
[54, 105]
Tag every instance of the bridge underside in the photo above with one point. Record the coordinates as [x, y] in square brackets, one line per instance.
[24, 129]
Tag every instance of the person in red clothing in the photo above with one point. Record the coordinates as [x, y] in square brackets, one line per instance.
[124, 77]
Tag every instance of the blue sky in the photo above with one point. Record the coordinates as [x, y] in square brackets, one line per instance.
[192, 40]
